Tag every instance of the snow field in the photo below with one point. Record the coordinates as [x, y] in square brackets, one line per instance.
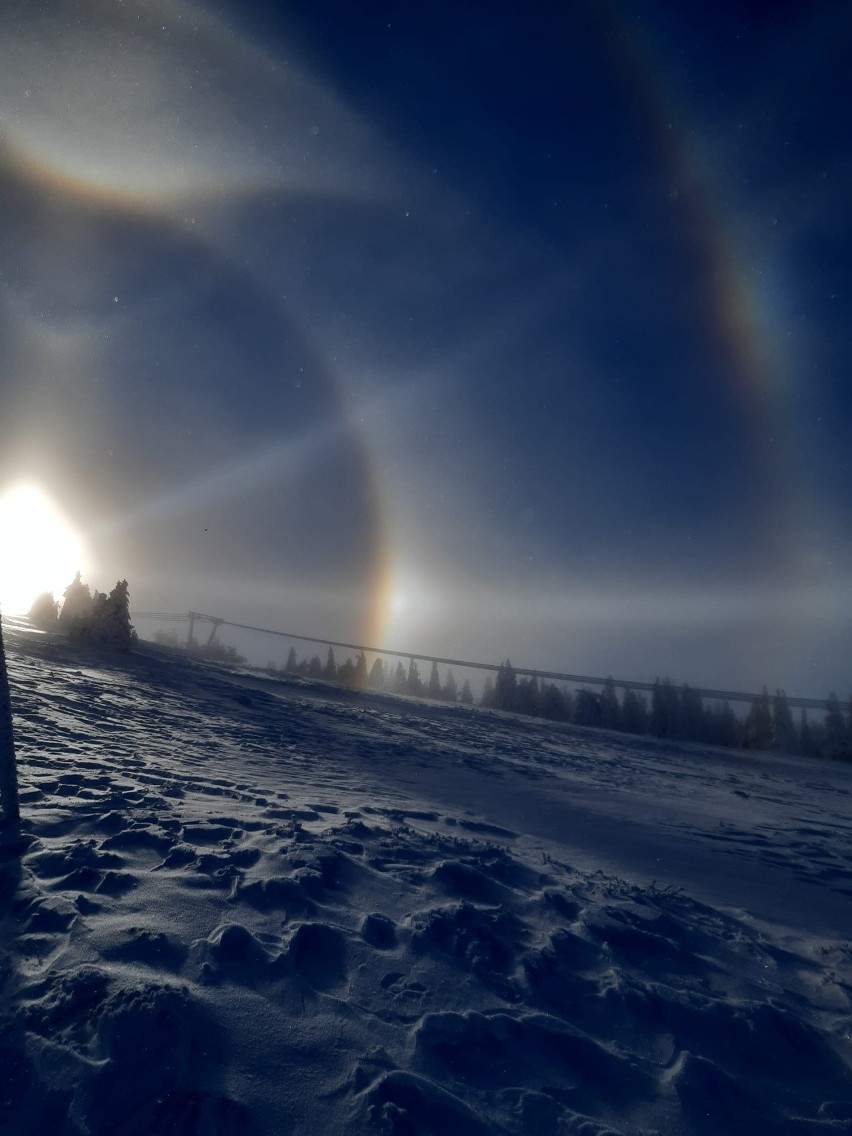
[248, 906]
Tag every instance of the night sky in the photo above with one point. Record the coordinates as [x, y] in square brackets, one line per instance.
[468, 329]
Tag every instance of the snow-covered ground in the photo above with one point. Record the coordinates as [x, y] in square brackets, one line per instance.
[251, 905]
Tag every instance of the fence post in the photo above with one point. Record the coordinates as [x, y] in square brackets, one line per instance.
[9, 808]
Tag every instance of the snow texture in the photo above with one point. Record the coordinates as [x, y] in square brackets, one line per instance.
[249, 905]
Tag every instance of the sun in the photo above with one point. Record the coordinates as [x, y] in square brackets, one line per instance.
[39, 550]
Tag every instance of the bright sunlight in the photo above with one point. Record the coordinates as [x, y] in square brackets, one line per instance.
[39, 551]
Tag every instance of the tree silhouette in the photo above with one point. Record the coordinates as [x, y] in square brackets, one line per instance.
[834, 738]
[610, 709]
[45, 612]
[783, 728]
[414, 683]
[634, 713]
[433, 687]
[505, 687]
[757, 729]
[377, 675]
[450, 691]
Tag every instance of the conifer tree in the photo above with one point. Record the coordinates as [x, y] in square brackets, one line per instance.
[665, 710]
[414, 683]
[553, 703]
[450, 691]
[329, 671]
[44, 613]
[691, 725]
[783, 728]
[834, 739]
[433, 687]
[757, 729]
[610, 708]
[466, 696]
[291, 665]
[587, 708]
[527, 698]
[400, 681]
[111, 618]
[77, 606]
[505, 687]
[361, 671]
[377, 675]
[634, 713]
[487, 699]
[807, 743]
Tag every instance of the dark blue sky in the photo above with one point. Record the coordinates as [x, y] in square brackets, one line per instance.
[473, 329]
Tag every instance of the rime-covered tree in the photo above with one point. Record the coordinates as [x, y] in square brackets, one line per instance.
[346, 674]
[44, 613]
[466, 696]
[834, 744]
[505, 687]
[291, 665]
[315, 668]
[610, 708]
[691, 724]
[433, 687]
[450, 691]
[553, 703]
[807, 742]
[400, 680]
[634, 713]
[76, 606]
[757, 728]
[487, 699]
[665, 710]
[111, 618]
[528, 696]
[329, 671]
[414, 683]
[587, 708]
[361, 671]
[784, 736]
[377, 675]
[723, 726]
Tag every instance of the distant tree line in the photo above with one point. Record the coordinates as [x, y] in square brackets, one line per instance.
[679, 712]
[212, 649]
[354, 673]
[96, 617]
[676, 712]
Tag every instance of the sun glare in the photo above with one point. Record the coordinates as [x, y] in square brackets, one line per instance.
[39, 551]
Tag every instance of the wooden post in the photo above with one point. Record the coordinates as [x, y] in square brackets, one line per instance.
[9, 807]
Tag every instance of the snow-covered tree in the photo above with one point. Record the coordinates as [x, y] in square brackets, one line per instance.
[77, 606]
[45, 612]
[377, 675]
[433, 687]
[450, 691]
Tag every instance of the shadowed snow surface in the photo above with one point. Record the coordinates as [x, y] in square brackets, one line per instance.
[244, 905]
